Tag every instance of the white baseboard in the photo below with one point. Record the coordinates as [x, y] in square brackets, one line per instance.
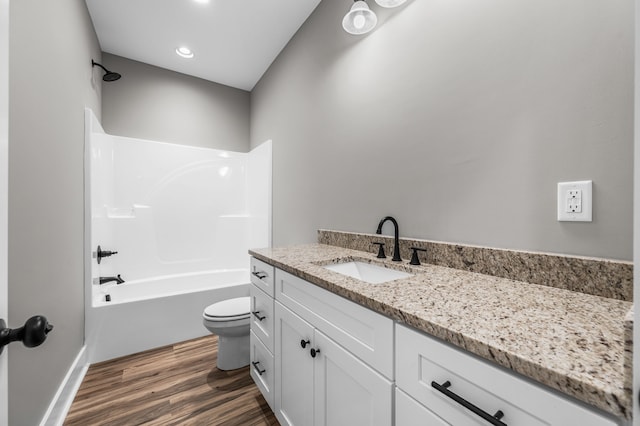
[63, 398]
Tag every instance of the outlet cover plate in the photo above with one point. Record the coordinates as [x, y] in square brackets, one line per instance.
[567, 201]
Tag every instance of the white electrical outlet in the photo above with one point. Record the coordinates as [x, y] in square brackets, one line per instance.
[575, 201]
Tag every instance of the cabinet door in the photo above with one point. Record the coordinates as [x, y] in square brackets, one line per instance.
[410, 412]
[294, 369]
[363, 332]
[347, 392]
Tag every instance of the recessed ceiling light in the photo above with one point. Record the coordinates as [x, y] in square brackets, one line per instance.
[185, 52]
[202, 1]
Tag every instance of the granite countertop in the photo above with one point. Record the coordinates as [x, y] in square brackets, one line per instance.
[570, 341]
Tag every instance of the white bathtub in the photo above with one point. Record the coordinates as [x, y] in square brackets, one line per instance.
[149, 313]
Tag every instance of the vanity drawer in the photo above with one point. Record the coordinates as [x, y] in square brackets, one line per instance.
[422, 361]
[363, 332]
[262, 275]
[262, 368]
[409, 412]
[262, 316]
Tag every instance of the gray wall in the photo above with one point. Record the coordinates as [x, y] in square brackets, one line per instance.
[154, 103]
[51, 81]
[458, 118]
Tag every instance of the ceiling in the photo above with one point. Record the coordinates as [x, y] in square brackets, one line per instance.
[234, 41]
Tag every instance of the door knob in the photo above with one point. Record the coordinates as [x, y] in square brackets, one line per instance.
[33, 333]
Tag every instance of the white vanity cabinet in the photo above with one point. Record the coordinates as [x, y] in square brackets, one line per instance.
[429, 373]
[262, 321]
[333, 359]
[318, 382]
[324, 360]
[366, 334]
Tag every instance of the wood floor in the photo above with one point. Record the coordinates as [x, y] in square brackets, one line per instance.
[173, 385]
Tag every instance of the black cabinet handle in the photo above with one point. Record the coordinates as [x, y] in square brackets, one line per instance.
[255, 367]
[260, 275]
[256, 314]
[304, 343]
[494, 420]
[314, 352]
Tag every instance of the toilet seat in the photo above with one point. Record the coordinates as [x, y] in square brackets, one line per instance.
[228, 310]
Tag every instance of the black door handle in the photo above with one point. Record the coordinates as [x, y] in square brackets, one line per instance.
[314, 352]
[33, 333]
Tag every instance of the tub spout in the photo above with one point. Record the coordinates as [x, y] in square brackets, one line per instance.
[118, 280]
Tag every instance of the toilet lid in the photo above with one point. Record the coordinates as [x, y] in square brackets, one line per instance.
[228, 309]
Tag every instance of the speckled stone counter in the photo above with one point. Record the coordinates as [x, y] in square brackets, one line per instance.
[570, 341]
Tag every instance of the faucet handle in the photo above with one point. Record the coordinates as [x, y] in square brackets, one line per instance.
[381, 254]
[414, 257]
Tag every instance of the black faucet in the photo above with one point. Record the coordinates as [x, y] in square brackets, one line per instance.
[118, 280]
[396, 247]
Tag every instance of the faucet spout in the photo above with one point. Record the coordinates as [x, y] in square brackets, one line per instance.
[396, 237]
[118, 279]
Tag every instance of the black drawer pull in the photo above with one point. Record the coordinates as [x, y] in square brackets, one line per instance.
[304, 343]
[314, 352]
[256, 314]
[255, 366]
[260, 275]
[494, 420]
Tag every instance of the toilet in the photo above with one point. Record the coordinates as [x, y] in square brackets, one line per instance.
[229, 320]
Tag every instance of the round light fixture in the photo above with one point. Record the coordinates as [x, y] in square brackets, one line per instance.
[390, 3]
[360, 19]
[185, 52]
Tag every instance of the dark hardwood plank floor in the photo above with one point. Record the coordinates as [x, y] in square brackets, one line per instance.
[173, 385]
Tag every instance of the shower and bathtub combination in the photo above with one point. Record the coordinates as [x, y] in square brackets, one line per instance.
[181, 220]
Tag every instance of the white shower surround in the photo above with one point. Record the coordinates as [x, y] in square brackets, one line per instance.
[181, 219]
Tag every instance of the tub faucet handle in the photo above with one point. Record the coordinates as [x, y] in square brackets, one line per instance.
[103, 253]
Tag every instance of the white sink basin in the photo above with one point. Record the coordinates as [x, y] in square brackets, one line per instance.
[367, 272]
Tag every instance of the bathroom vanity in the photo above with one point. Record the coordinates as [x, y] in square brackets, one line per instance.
[439, 347]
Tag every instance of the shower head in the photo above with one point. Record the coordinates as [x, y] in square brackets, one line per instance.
[109, 75]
